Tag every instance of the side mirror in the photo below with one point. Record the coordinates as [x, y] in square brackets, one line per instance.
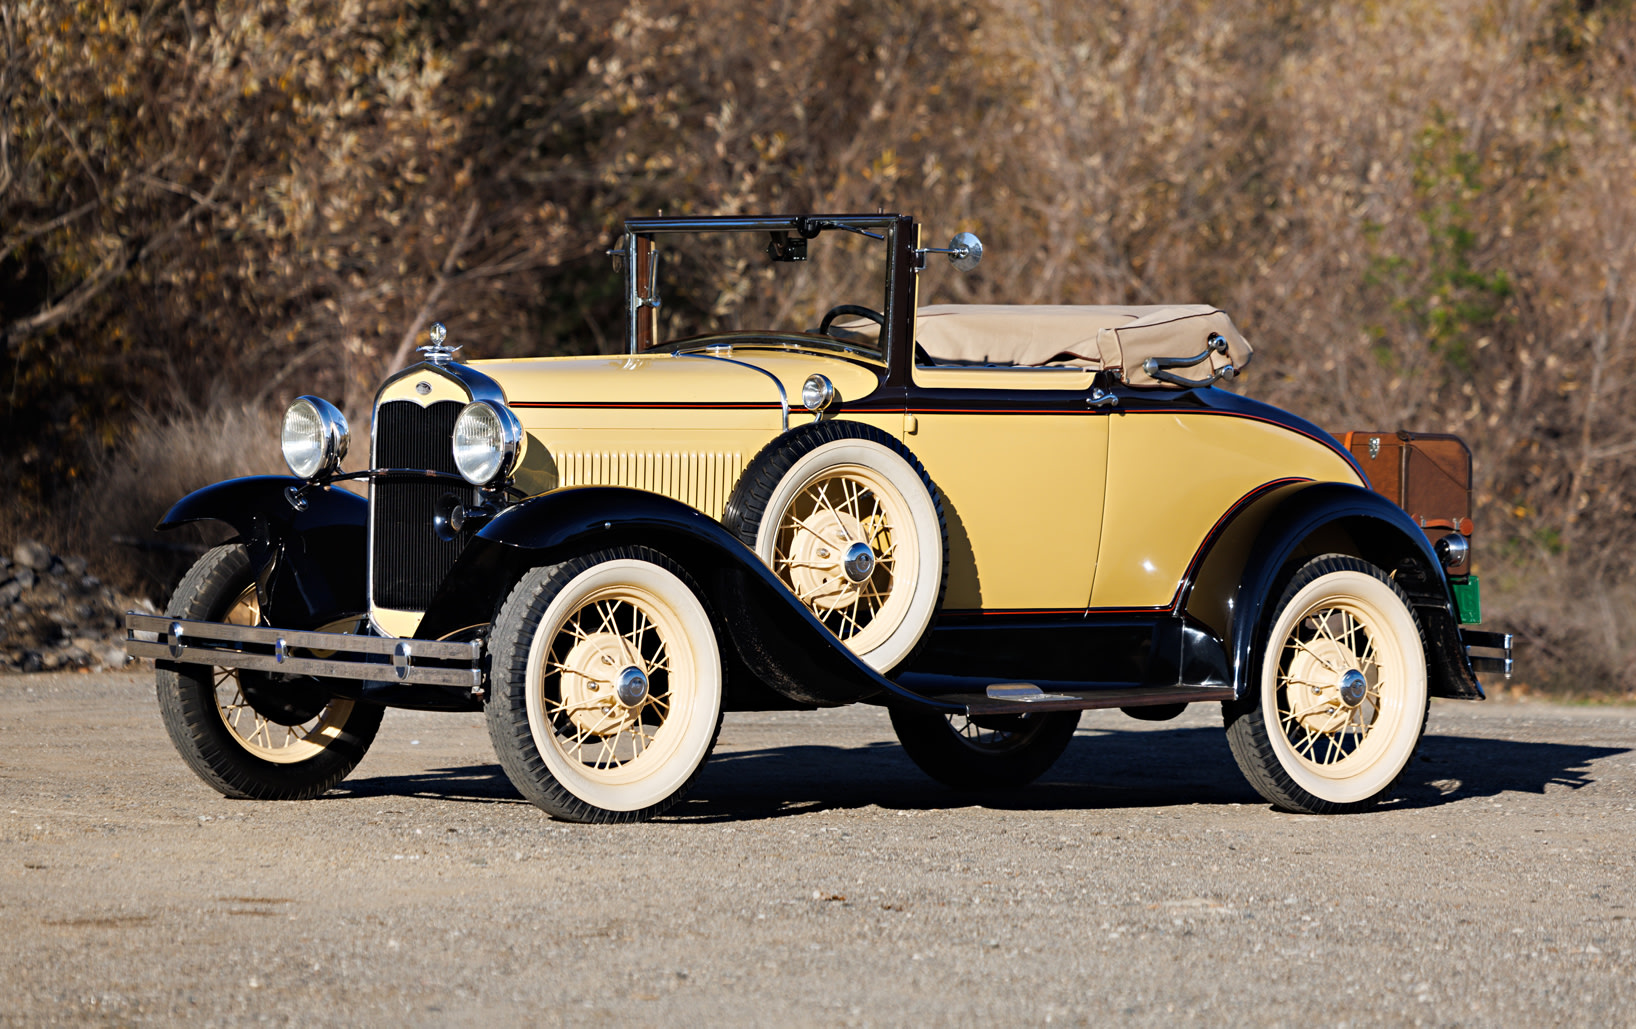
[965, 250]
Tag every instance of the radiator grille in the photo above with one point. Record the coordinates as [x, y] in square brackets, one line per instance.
[409, 560]
[701, 481]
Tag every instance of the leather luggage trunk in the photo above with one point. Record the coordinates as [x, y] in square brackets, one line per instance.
[1428, 474]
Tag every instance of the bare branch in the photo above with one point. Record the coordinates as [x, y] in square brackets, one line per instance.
[178, 189]
[5, 106]
[444, 276]
[115, 265]
[74, 144]
[31, 231]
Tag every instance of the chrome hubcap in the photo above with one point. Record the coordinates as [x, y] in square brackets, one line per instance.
[632, 688]
[1354, 687]
[860, 562]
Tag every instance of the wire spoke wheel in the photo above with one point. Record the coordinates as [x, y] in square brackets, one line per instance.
[249, 734]
[1343, 694]
[837, 548]
[607, 686]
[847, 518]
[283, 732]
[1329, 687]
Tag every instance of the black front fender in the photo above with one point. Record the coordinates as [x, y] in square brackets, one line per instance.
[766, 631]
[311, 559]
[1257, 550]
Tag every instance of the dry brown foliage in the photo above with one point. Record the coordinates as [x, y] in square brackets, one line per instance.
[1423, 213]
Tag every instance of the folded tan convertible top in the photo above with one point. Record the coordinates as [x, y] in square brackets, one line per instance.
[1116, 339]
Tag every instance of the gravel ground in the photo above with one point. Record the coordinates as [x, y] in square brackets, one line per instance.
[816, 877]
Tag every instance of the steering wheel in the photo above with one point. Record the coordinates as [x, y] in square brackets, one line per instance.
[862, 312]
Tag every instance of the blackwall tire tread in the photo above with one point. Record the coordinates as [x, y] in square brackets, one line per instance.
[187, 704]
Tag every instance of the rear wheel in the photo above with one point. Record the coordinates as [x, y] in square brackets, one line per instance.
[993, 752]
[253, 735]
[1342, 699]
[607, 686]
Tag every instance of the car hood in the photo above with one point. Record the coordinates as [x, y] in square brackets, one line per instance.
[742, 377]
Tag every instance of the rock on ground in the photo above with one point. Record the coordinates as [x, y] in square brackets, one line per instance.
[54, 615]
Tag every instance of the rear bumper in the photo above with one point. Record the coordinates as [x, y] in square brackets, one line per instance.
[295, 652]
[1488, 641]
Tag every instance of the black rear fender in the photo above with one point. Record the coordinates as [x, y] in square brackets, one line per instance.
[310, 559]
[765, 631]
[1254, 553]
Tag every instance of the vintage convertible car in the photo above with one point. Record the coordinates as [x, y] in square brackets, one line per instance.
[986, 518]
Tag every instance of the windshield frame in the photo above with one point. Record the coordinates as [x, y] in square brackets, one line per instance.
[899, 234]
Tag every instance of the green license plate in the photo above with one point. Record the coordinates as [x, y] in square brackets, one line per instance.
[1468, 601]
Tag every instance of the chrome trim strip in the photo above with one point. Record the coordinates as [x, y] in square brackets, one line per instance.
[783, 397]
[633, 309]
[766, 341]
[214, 643]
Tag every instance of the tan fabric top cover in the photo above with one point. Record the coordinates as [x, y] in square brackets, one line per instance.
[1116, 339]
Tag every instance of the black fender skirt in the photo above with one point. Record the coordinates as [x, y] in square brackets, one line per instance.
[312, 558]
[764, 630]
[1384, 534]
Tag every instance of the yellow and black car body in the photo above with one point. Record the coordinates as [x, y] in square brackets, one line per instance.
[987, 519]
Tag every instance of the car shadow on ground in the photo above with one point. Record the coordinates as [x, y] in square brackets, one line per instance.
[1102, 769]
[1105, 769]
[472, 784]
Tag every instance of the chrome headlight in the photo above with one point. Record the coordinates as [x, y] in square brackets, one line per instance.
[488, 442]
[314, 437]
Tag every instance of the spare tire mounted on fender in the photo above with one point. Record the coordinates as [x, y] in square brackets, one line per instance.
[849, 520]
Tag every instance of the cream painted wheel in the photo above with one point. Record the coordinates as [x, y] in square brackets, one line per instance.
[1342, 697]
[280, 737]
[849, 521]
[253, 735]
[608, 686]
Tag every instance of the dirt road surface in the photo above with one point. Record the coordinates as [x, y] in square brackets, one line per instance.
[815, 877]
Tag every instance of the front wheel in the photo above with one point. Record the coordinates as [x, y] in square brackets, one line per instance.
[1342, 699]
[994, 752]
[254, 735]
[607, 686]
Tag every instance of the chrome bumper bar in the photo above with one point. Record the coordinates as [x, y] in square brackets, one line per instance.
[1478, 640]
[295, 652]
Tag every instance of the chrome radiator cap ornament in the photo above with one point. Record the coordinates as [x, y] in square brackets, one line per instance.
[436, 352]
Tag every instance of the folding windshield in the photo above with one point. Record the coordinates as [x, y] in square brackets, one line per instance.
[822, 276]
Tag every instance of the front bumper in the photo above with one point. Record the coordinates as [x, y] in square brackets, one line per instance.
[296, 652]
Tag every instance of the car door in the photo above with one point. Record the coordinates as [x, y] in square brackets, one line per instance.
[1020, 458]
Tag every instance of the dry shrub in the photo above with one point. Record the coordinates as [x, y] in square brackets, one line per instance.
[162, 458]
[1572, 641]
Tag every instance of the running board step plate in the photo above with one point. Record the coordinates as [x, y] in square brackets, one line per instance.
[1020, 698]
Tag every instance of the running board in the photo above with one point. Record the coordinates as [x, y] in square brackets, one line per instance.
[1015, 698]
